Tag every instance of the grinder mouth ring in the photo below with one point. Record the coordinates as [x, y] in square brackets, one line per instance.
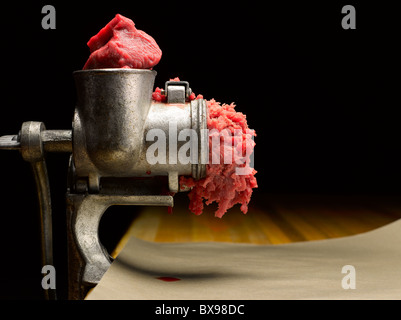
[115, 70]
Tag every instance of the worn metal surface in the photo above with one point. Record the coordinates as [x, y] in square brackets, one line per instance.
[57, 140]
[85, 223]
[33, 141]
[32, 151]
[53, 141]
[114, 121]
[199, 124]
[9, 142]
[177, 91]
[112, 107]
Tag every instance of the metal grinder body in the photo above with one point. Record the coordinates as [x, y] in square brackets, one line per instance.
[113, 121]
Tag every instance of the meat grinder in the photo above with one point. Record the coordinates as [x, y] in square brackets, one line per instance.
[109, 164]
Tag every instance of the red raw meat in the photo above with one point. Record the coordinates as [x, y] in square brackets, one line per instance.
[222, 184]
[120, 45]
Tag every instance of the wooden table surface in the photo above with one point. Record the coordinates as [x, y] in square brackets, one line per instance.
[272, 219]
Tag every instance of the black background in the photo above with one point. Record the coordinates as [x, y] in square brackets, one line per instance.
[324, 101]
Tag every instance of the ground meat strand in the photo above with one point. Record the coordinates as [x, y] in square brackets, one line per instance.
[222, 184]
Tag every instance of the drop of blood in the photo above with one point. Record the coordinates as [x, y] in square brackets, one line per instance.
[168, 279]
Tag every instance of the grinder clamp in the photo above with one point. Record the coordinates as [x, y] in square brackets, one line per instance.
[113, 119]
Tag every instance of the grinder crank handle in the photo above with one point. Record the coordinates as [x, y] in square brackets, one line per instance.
[32, 141]
[53, 141]
[10, 143]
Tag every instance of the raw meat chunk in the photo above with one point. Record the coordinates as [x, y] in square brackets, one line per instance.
[120, 45]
